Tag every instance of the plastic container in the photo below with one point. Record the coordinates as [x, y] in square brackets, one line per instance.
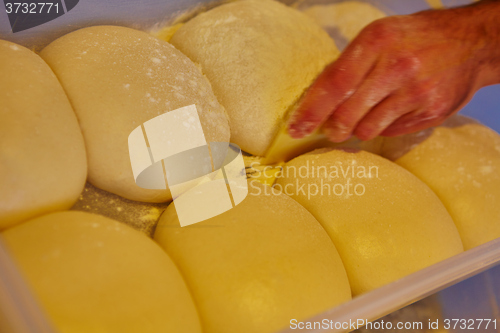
[19, 311]
[391, 297]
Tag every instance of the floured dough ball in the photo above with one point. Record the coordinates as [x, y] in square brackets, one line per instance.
[256, 266]
[346, 18]
[260, 56]
[42, 155]
[383, 220]
[94, 274]
[461, 164]
[116, 79]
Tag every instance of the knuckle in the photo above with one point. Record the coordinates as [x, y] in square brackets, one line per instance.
[404, 63]
[379, 28]
[378, 34]
[384, 28]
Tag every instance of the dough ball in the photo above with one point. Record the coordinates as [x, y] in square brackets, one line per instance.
[94, 274]
[260, 56]
[462, 166]
[344, 20]
[116, 79]
[384, 221]
[393, 148]
[42, 155]
[256, 266]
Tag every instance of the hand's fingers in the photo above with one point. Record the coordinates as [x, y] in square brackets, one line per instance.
[388, 76]
[413, 122]
[336, 83]
[375, 88]
[384, 114]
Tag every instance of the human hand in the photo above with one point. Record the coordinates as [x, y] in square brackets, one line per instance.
[402, 74]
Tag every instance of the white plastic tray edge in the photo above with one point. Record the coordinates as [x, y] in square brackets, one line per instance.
[412, 288]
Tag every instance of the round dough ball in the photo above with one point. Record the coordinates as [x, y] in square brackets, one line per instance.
[256, 266]
[94, 274]
[462, 166]
[384, 221]
[344, 20]
[116, 79]
[260, 56]
[42, 154]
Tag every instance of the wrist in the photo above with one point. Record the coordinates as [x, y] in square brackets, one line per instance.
[473, 34]
[483, 19]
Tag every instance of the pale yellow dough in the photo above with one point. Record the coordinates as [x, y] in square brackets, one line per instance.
[94, 274]
[256, 266]
[116, 79]
[394, 227]
[42, 155]
[349, 17]
[462, 165]
[260, 56]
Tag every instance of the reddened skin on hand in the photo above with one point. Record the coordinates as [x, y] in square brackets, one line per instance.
[402, 74]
